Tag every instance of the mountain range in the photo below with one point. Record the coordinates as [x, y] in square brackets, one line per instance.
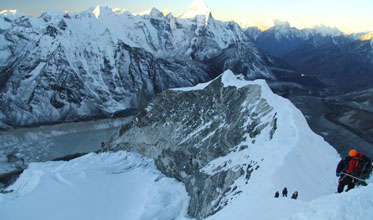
[337, 59]
[65, 67]
[104, 62]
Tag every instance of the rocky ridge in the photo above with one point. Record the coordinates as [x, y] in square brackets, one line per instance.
[193, 133]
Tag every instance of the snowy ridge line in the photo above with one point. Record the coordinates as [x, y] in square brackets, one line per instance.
[250, 143]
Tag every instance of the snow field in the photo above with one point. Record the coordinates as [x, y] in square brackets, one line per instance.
[104, 186]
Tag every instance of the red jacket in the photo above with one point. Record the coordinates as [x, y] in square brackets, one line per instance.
[354, 163]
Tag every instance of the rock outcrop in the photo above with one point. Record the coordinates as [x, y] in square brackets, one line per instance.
[185, 130]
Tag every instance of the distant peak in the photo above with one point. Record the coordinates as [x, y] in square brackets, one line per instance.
[119, 11]
[11, 13]
[327, 31]
[99, 11]
[368, 36]
[166, 12]
[198, 7]
[245, 23]
[277, 22]
[153, 12]
[156, 13]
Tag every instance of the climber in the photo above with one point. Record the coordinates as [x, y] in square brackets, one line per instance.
[285, 192]
[352, 170]
[104, 148]
[295, 195]
[277, 194]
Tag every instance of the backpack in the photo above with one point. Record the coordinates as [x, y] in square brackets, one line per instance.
[364, 168]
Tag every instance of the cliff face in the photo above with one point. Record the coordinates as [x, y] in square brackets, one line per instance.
[205, 136]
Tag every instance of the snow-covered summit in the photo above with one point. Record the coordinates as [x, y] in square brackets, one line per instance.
[153, 12]
[245, 23]
[277, 22]
[327, 30]
[104, 11]
[198, 7]
[11, 13]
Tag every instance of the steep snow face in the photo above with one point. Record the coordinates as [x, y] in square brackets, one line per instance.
[231, 139]
[105, 186]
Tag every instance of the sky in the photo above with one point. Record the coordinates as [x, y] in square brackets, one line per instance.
[347, 15]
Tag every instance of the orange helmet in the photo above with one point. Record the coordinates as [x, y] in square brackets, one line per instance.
[352, 153]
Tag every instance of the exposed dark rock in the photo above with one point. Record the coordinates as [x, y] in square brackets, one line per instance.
[184, 131]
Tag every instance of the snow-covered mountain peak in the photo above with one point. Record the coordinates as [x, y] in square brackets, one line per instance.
[155, 13]
[245, 23]
[198, 7]
[51, 15]
[166, 12]
[327, 31]
[11, 13]
[100, 11]
[277, 22]
[119, 11]
[368, 36]
[94, 40]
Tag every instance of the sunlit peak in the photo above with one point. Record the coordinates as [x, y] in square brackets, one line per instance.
[368, 36]
[96, 11]
[198, 7]
[166, 11]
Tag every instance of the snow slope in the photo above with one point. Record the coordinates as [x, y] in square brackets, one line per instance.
[127, 186]
[356, 204]
[105, 186]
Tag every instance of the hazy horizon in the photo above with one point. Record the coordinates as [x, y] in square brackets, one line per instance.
[348, 16]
